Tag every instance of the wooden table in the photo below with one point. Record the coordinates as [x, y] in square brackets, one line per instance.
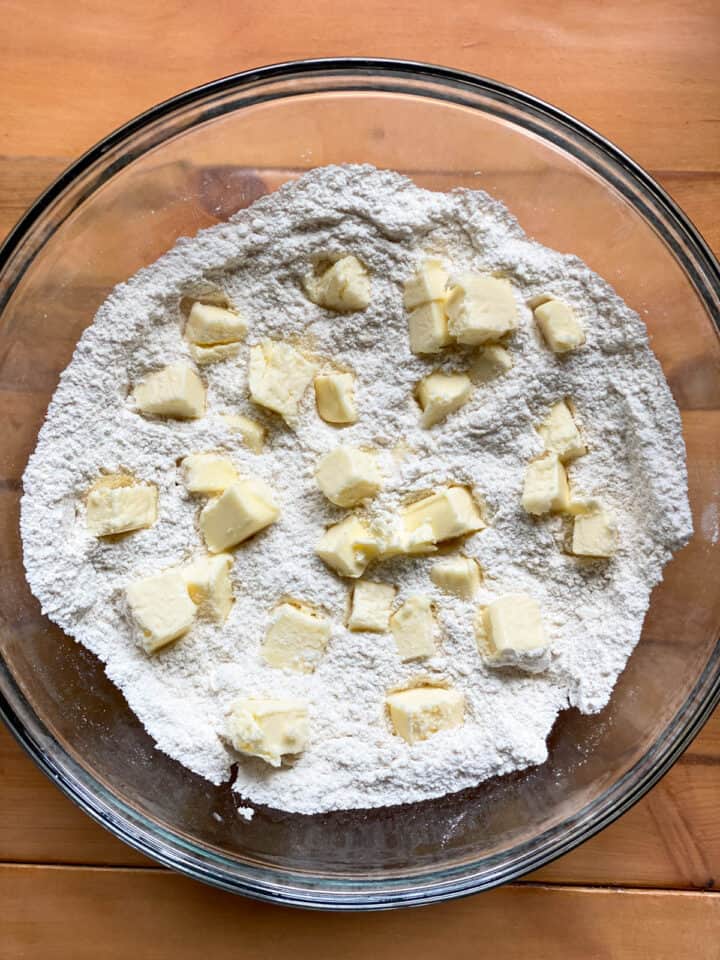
[646, 74]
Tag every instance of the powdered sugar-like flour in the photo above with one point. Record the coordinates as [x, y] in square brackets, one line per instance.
[593, 612]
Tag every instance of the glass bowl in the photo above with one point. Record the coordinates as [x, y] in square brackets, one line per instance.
[192, 162]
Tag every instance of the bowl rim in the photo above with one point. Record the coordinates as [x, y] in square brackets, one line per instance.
[372, 894]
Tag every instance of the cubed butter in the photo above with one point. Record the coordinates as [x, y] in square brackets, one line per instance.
[296, 638]
[242, 510]
[481, 309]
[450, 513]
[402, 542]
[204, 356]
[344, 286]
[419, 713]
[441, 394]
[335, 397]
[348, 475]
[208, 583]
[594, 535]
[413, 626]
[490, 363]
[208, 325]
[252, 432]
[546, 486]
[279, 375]
[118, 505]
[560, 433]
[428, 328]
[269, 729]
[427, 283]
[348, 547]
[458, 575]
[510, 633]
[371, 605]
[176, 391]
[559, 326]
[208, 473]
[161, 608]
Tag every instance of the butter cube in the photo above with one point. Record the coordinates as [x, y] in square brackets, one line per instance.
[207, 355]
[279, 375]
[348, 547]
[510, 633]
[428, 328]
[208, 324]
[559, 326]
[450, 513]
[491, 362]
[252, 432]
[560, 433]
[335, 397]
[419, 713]
[208, 473]
[546, 486]
[269, 729]
[440, 394]
[246, 507]
[413, 627]
[403, 542]
[426, 284]
[371, 603]
[161, 608]
[344, 287]
[118, 505]
[176, 391]
[296, 638]
[458, 575]
[481, 309]
[208, 583]
[594, 535]
[347, 476]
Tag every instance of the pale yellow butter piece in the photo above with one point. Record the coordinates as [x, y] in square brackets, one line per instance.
[269, 729]
[252, 432]
[413, 626]
[296, 638]
[348, 547]
[458, 575]
[371, 605]
[546, 486]
[421, 712]
[208, 473]
[441, 394]
[449, 513]
[559, 326]
[344, 286]
[481, 309]
[427, 283]
[428, 328]
[335, 397]
[348, 475]
[490, 363]
[176, 391]
[208, 324]
[204, 356]
[279, 375]
[114, 506]
[510, 633]
[246, 507]
[560, 433]
[403, 542]
[161, 608]
[208, 583]
[594, 535]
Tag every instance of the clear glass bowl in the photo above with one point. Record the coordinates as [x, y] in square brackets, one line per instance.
[192, 162]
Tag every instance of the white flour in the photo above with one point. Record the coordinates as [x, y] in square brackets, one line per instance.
[593, 613]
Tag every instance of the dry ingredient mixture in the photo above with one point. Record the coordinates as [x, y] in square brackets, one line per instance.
[592, 611]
